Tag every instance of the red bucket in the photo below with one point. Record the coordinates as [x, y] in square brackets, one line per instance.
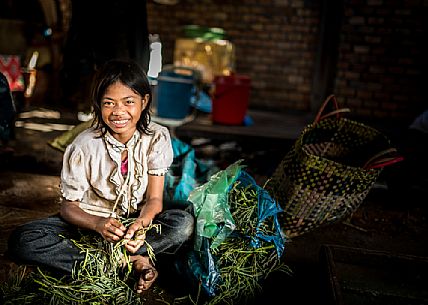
[230, 99]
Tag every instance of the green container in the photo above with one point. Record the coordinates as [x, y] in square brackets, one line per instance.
[205, 33]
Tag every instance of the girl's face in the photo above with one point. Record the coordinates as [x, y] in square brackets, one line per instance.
[121, 109]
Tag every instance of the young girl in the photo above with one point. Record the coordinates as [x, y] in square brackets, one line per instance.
[115, 168]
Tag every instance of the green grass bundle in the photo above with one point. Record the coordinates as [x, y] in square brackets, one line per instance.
[239, 220]
[103, 277]
[242, 265]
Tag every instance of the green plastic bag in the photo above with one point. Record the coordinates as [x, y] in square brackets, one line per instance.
[211, 207]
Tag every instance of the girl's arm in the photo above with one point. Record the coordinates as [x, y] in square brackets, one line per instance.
[110, 228]
[154, 200]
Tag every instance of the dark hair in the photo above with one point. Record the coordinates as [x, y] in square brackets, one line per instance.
[131, 75]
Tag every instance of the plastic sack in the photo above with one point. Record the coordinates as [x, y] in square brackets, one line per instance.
[201, 269]
[215, 224]
[211, 209]
[185, 174]
[267, 207]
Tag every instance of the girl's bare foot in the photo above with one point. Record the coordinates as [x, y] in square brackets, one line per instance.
[147, 272]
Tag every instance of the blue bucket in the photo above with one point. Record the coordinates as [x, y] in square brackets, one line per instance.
[174, 92]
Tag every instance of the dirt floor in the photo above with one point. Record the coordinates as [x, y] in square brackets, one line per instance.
[390, 225]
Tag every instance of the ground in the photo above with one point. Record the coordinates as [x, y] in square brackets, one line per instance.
[390, 222]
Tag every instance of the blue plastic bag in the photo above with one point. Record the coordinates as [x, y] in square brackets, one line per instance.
[185, 174]
[215, 223]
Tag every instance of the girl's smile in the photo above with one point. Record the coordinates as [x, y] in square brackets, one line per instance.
[121, 109]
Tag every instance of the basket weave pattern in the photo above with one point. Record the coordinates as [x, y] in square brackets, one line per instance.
[322, 178]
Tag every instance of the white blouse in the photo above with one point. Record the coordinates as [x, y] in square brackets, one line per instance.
[91, 169]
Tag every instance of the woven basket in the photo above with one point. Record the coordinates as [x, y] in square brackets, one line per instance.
[329, 171]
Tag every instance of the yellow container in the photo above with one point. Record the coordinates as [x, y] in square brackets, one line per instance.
[210, 57]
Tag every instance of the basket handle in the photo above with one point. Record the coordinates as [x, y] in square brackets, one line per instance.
[379, 160]
[336, 112]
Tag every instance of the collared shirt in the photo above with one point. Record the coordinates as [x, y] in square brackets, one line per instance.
[91, 169]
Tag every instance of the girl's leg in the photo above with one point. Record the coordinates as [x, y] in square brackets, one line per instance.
[45, 242]
[176, 228]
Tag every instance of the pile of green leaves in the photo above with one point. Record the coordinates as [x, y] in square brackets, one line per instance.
[243, 267]
[103, 277]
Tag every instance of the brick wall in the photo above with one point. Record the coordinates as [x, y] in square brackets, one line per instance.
[380, 58]
[274, 40]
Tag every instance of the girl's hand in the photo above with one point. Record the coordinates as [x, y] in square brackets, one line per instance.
[111, 229]
[135, 241]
